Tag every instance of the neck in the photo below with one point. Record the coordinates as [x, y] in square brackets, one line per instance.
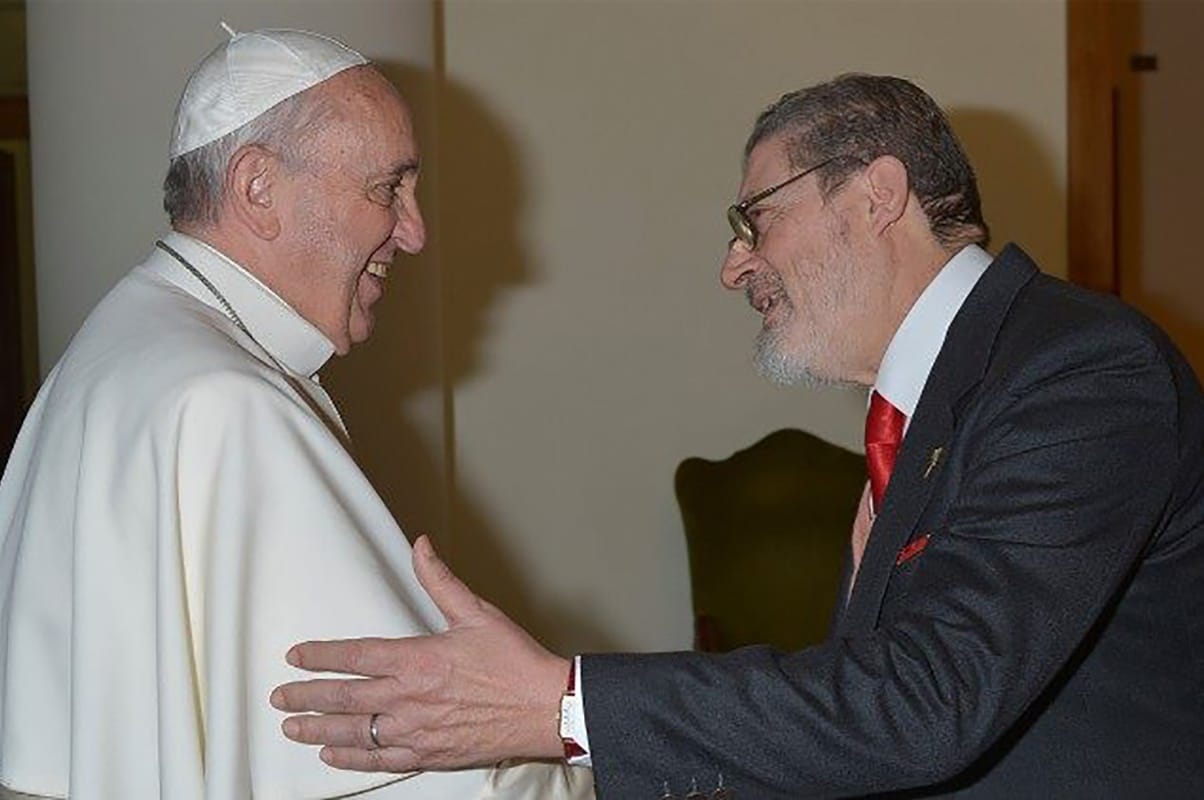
[252, 254]
[913, 260]
[233, 247]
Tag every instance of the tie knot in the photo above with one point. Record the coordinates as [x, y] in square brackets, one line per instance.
[884, 423]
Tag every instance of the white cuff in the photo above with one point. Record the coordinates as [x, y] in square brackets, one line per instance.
[572, 720]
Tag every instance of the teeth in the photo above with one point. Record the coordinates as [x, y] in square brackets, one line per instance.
[378, 268]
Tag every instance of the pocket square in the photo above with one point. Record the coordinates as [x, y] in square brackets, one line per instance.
[912, 549]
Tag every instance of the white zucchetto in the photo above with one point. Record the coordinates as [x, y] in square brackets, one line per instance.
[249, 74]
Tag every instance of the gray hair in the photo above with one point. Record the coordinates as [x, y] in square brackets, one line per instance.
[854, 119]
[192, 190]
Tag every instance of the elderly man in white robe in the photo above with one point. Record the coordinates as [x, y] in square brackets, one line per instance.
[181, 482]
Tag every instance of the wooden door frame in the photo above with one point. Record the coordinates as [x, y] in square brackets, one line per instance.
[14, 124]
[1101, 35]
[14, 118]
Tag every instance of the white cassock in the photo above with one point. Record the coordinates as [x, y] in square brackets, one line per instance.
[178, 510]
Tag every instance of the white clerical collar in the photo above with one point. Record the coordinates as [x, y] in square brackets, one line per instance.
[914, 348]
[287, 336]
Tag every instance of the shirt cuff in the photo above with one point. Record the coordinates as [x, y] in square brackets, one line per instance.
[572, 721]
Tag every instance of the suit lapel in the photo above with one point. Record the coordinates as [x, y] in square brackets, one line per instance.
[958, 369]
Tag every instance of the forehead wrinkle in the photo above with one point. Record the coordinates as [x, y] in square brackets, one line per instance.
[368, 111]
[770, 156]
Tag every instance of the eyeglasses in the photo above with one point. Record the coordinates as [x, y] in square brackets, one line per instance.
[737, 215]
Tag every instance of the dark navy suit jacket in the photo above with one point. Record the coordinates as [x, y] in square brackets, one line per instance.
[1028, 620]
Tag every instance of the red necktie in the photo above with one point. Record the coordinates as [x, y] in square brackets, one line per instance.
[883, 432]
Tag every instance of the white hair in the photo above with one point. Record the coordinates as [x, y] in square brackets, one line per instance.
[192, 190]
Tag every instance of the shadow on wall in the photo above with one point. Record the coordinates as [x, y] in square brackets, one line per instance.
[395, 391]
[1020, 186]
[481, 203]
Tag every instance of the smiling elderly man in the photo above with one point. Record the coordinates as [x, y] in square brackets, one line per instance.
[181, 482]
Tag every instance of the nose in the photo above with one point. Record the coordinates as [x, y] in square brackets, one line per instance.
[738, 265]
[410, 231]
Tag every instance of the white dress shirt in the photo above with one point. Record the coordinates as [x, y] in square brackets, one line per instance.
[914, 347]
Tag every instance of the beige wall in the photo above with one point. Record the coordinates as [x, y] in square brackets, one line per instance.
[603, 349]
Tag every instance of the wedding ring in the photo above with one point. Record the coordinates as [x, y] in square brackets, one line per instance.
[374, 731]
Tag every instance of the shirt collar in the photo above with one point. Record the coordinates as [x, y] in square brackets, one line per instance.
[275, 325]
[914, 348]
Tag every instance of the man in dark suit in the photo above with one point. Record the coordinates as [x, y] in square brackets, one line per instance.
[1021, 614]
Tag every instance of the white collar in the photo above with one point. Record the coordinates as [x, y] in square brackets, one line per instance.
[913, 349]
[276, 326]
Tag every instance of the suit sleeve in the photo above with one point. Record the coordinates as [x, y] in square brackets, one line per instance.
[1064, 473]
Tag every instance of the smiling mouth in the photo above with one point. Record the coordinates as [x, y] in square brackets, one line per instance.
[379, 268]
[763, 304]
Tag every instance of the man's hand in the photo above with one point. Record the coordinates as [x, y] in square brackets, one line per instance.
[478, 693]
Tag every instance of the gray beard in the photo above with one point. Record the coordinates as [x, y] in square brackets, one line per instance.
[780, 364]
[777, 364]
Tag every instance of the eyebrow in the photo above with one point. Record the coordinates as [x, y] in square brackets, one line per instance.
[405, 167]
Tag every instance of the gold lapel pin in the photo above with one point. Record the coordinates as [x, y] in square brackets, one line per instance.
[933, 460]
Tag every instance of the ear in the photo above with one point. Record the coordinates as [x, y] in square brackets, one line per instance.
[889, 190]
[252, 180]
